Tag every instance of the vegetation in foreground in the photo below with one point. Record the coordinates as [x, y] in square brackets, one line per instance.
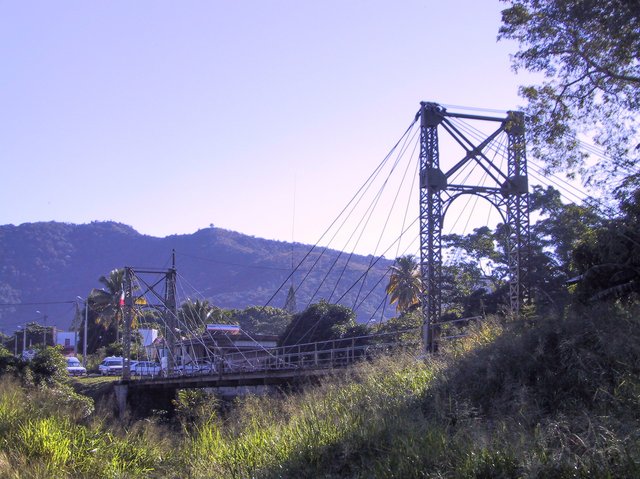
[558, 398]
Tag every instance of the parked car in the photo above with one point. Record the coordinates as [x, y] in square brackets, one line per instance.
[199, 366]
[74, 368]
[146, 368]
[111, 365]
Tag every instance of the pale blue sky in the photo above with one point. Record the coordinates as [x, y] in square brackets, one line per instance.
[170, 116]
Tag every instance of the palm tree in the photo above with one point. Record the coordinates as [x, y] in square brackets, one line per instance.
[107, 301]
[194, 315]
[405, 284]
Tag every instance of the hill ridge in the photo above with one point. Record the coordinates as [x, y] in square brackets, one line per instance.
[50, 261]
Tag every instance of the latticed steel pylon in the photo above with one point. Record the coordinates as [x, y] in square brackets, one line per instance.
[508, 193]
[167, 306]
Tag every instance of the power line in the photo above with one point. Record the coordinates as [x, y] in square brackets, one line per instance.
[38, 303]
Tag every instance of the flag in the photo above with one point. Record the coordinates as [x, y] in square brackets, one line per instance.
[121, 303]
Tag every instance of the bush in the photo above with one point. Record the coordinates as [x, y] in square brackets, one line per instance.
[49, 366]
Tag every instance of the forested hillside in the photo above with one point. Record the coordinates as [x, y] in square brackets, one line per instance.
[56, 262]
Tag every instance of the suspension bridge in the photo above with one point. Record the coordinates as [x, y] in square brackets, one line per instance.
[483, 156]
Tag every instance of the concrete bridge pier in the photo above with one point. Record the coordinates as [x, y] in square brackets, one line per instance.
[121, 392]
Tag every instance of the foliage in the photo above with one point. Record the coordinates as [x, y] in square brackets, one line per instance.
[405, 283]
[608, 260]
[107, 301]
[261, 319]
[113, 349]
[338, 429]
[9, 364]
[193, 316]
[485, 408]
[319, 322]
[409, 323]
[49, 366]
[476, 282]
[290, 302]
[195, 407]
[44, 436]
[587, 51]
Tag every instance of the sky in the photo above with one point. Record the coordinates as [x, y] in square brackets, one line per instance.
[258, 116]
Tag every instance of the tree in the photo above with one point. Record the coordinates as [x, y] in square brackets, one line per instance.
[476, 283]
[587, 51]
[608, 260]
[194, 315]
[261, 319]
[106, 309]
[408, 325]
[405, 283]
[559, 229]
[290, 302]
[319, 322]
[106, 302]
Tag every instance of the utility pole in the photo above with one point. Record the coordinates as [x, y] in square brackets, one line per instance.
[84, 340]
[86, 323]
[128, 319]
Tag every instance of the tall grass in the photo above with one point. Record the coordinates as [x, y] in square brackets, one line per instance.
[300, 434]
[43, 436]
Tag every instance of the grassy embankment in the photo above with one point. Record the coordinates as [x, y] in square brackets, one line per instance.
[556, 399]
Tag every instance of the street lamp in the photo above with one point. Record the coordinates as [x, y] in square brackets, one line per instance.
[15, 346]
[86, 321]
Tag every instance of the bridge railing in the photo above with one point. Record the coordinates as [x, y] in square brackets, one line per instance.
[324, 354]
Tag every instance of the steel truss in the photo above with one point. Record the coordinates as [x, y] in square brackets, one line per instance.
[508, 194]
[159, 285]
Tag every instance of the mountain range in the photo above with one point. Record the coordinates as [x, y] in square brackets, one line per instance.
[46, 266]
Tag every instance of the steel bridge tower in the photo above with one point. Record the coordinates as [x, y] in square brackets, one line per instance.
[165, 305]
[508, 194]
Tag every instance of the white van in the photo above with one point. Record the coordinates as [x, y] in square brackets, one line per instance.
[111, 365]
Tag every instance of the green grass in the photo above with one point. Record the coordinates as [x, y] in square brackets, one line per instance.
[544, 399]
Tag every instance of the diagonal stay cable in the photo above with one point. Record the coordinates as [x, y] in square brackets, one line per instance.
[369, 179]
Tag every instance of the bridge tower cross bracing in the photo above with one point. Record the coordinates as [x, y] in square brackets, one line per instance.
[509, 194]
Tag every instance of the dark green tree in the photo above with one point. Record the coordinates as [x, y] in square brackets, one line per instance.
[321, 321]
[261, 319]
[587, 51]
[476, 282]
[290, 302]
[559, 229]
[49, 366]
[608, 260]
